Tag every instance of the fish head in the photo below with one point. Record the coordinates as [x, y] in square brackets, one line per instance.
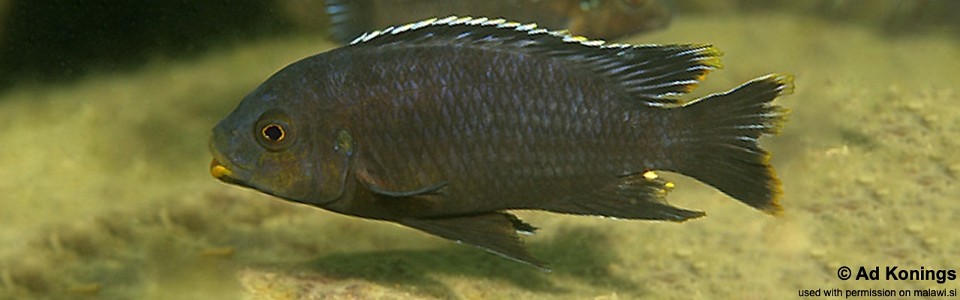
[273, 144]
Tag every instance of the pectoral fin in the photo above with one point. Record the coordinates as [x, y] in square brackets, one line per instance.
[430, 189]
[495, 232]
[397, 186]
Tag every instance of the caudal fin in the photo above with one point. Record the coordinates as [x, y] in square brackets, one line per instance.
[718, 140]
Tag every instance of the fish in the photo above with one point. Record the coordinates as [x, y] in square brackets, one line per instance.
[446, 125]
[603, 19]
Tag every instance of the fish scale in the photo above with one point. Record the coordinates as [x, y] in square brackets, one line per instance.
[522, 114]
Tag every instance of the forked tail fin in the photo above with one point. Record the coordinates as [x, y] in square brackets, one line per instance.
[718, 136]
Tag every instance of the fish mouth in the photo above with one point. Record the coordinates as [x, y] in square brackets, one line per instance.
[218, 169]
[222, 173]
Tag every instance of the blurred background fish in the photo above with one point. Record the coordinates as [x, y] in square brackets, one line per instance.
[604, 19]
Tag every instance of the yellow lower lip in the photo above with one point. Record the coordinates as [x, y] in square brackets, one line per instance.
[218, 171]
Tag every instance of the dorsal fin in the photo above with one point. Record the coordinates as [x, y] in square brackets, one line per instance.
[650, 73]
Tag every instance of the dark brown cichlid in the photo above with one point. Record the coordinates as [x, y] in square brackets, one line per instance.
[443, 125]
[604, 19]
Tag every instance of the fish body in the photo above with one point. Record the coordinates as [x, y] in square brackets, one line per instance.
[444, 125]
[604, 19]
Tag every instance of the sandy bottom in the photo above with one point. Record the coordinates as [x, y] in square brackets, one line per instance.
[105, 191]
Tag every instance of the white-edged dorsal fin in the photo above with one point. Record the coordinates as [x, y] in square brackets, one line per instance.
[650, 73]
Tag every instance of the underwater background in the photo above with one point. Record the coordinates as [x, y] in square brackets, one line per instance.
[106, 108]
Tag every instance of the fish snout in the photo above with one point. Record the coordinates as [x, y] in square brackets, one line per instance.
[219, 171]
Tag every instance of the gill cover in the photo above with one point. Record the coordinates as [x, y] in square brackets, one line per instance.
[335, 169]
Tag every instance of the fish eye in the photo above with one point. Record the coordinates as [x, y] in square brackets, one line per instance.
[274, 131]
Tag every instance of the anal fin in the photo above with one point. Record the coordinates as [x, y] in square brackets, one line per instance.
[495, 232]
[636, 196]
